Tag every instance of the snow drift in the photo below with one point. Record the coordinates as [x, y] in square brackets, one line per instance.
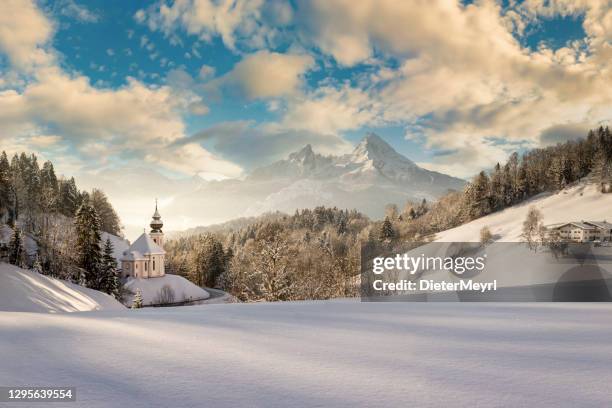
[28, 291]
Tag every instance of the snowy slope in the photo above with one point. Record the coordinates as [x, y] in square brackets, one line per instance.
[318, 354]
[579, 202]
[27, 291]
[183, 289]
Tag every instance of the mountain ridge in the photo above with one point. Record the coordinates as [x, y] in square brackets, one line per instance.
[372, 160]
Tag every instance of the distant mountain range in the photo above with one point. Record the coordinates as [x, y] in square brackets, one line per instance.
[367, 179]
[370, 177]
[373, 161]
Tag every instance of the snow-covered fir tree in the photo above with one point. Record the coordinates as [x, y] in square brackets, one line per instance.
[16, 252]
[386, 230]
[137, 302]
[108, 272]
[88, 252]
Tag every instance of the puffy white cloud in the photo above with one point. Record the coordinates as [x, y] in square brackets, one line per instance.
[267, 74]
[24, 34]
[331, 110]
[231, 20]
[135, 122]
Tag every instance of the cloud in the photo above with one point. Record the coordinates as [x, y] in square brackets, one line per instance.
[267, 74]
[69, 104]
[45, 140]
[254, 145]
[470, 158]
[76, 11]
[232, 21]
[206, 72]
[133, 122]
[562, 133]
[191, 158]
[331, 110]
[24, 34]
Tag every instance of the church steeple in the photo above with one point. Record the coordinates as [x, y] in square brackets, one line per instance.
[156, 222]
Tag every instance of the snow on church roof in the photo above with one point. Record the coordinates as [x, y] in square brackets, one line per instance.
[133, 256]
[144, 245]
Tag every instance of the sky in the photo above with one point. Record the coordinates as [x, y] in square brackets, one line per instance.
[217, 88]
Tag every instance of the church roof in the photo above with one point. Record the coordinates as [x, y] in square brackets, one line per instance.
[145, 245]
[132, 256]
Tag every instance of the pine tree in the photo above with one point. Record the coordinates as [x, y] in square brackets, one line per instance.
[5, 184]
[137, 303]
[16, 253]
[478, 199]
[88, 252]
[109, 220]
[386, 230]
[69, 197]
[110, 278]
[497, 193]
[49, 188]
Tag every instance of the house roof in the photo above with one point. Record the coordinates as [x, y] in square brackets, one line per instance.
[600, 224]
[144, 245]
[585, 225]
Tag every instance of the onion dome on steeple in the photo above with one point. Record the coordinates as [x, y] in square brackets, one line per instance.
[156, 222]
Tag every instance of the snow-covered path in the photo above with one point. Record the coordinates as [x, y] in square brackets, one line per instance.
[335, 353]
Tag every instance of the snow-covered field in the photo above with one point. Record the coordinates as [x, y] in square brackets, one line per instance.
[318, 354]
[183, 289]
[580, 202]
[27, 291]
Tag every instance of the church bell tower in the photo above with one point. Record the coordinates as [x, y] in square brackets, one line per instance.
[156, 228]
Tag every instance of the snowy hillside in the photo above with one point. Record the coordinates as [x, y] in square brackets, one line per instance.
[319, 354]
[183, 289]
[27, 291]
[579, 202]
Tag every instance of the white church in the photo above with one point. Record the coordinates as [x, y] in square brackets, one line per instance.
[145, 257]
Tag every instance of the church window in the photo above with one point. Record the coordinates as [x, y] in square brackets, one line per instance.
[153, 264]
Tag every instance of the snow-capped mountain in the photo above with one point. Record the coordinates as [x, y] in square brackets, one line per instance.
[372, 161]
[370, 177]
[303, 163]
